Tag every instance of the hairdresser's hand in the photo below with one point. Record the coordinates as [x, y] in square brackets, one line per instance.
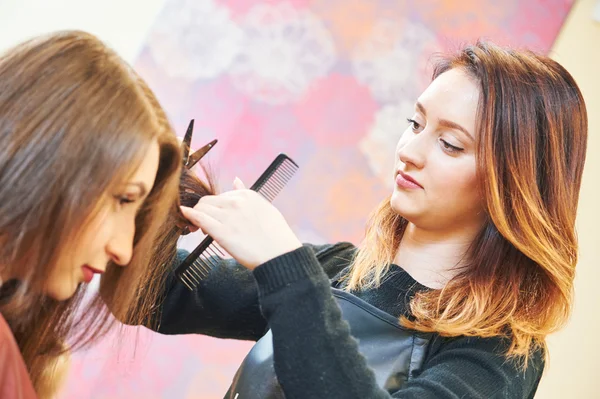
[245, 224]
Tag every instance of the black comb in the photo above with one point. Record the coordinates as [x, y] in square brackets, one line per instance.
[201, 260]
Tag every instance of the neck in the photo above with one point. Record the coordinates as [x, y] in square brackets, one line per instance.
[433, 257]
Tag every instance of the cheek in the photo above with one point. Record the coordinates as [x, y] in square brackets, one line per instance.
[93, 238]
[470, 188]
[469, 195]
[458, 181]
[62, 282]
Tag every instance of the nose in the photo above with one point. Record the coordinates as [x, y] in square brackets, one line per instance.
[120, 246]
[412, 149]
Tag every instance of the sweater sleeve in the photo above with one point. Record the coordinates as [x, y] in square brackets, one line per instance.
[315, 355]
[225, 304]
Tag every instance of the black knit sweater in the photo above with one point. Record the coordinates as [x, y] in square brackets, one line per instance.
[315, 355]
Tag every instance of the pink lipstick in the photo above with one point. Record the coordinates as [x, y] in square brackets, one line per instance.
[405, 181]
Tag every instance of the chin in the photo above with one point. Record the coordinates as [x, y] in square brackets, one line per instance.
[400, 204]
[404, 208]
[61, 293]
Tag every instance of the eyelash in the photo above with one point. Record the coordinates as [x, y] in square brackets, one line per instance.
[447, 146]
[124, 200]
[414, 123]
[450, 147]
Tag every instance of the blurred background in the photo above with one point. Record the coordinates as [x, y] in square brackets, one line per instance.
[330, 83]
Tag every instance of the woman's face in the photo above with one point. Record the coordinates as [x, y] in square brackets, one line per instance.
[435, 170]
[109, 235]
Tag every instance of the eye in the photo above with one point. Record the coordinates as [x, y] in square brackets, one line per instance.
[415, 125]
[123, 200]
[449, 147]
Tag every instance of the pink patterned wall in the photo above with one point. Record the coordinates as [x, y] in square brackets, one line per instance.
[329, 82]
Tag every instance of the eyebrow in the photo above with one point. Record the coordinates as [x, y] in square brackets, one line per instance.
[141, 186]
[445, 122]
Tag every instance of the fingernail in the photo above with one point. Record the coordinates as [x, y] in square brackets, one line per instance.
[188, 209]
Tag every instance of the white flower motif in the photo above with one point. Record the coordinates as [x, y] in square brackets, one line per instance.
[195, 39]
[283, 52]
[388, 61]
[379, 145]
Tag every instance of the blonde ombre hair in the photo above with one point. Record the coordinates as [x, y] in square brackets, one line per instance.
[518, 278]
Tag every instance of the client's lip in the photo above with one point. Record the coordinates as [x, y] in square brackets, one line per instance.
[89, 271]
[99, 271]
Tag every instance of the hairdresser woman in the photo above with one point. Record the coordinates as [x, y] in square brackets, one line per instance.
[466, 266]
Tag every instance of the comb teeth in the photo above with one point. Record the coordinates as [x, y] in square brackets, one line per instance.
[201, 266]
[198, 264]
[272, 181]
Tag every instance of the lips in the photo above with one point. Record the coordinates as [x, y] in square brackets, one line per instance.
[89, 271]
[409, 179]
[98, 271]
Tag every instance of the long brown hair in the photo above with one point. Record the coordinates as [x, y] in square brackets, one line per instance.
[532, 137]
[191, 189]
[75, 123]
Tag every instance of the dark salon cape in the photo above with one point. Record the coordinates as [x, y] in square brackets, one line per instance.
[306, 347]
[14, 379]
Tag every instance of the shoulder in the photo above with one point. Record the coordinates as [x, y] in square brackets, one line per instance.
[7, 340]
[340, 250]
[14, 379]
[334, 258]
[485, 359]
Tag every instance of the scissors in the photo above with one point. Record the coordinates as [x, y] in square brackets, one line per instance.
[189, 160]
